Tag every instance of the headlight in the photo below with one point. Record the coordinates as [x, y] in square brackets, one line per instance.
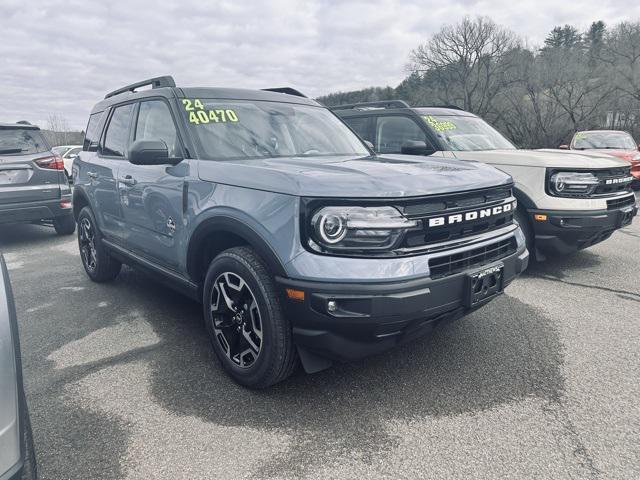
[357, 228]
[567, 184]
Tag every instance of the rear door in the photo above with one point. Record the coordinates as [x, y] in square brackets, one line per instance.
[28, 169]
[102, 170]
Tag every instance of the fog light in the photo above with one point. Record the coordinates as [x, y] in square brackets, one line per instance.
[540, 217]
[332, 306]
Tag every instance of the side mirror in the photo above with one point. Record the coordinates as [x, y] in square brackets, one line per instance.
[415, 147]
[151, 152]
[93, 147]
[72, 157]
[564, 147]
[369, 144]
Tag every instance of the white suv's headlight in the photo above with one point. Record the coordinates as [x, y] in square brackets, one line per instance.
[568, 184]
[357, 228]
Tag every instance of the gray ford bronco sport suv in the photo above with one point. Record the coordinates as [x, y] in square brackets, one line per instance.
[566, 201]
[33, 185]
[299, 241]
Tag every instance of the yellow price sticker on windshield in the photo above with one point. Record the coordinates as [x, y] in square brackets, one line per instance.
[199, 114]
[437, 125]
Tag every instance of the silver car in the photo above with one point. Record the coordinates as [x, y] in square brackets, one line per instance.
[17, 457]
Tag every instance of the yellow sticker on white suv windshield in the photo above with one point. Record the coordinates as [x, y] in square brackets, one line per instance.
[198, 114]
[437, 125]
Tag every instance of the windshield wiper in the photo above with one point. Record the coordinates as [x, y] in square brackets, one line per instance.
[12, 150]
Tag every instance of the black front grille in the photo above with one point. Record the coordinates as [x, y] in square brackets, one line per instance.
[620, 202]
[612, 173]
[454, 217]
[455, 263]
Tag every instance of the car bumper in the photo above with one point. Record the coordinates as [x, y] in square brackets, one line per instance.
[372, 318]
[14, 473]
[568, 231]
[35, 211]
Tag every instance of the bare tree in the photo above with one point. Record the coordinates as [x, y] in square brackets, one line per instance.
[59, 130]
[468, 61]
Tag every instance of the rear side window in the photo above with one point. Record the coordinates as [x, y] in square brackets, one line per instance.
[21, 141]
[362, 126]
[156, 123]
[115, 140]
[93, 132]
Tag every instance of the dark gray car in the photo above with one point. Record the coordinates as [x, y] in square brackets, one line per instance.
[300, 242]
[33, 185]
[17, 460]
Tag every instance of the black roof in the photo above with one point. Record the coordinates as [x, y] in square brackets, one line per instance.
[162, 86]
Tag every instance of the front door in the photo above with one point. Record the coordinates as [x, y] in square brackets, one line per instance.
[151, 195]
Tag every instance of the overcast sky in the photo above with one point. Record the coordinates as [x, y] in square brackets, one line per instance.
[62, 56]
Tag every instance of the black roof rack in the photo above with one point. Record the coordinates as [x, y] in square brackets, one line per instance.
[157, 82]
[380, 104]
[452, 107]
[286, 90]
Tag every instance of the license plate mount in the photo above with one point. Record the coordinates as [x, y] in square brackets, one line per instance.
[484, 284]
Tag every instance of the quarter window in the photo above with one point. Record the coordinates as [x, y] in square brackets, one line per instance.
[115, 141]
[156, 123]
[393, 132]
[93, 131]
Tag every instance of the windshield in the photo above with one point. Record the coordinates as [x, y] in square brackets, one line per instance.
[21, 141]
[237, 129]
[466, 133]
[610, 140]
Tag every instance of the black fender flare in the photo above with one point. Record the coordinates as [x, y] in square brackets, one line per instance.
[523, 199]
[80, 197]
[225, 223]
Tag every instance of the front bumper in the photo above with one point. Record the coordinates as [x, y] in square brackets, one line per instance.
[35, 211]
[565, 232]
[372, 318]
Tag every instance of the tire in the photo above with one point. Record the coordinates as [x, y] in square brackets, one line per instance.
[522, 219]
[239, 277]
[29, 469]
[65, 225]
[97, 262]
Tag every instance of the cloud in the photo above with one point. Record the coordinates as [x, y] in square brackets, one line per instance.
[62, 56]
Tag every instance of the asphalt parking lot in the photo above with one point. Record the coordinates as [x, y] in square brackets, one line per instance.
[541, 383]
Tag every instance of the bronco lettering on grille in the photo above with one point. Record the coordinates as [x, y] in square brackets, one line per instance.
[471, 215]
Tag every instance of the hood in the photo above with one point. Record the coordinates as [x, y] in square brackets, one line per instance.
[627, 155]
[392, 176]
[548, 158]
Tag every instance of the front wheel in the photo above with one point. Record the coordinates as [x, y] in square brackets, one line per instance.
[248, 330]
[521, 217]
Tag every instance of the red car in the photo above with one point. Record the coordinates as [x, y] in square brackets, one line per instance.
[614, 142]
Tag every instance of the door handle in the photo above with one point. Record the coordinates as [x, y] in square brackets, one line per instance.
[128, 180]
[92, 175]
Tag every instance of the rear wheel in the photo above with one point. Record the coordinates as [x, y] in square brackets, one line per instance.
[97, 262]
[64, 225]
[249, 332]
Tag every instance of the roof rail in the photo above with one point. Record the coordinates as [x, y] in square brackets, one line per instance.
[452, 107]
[157, 82]
[286, 90]
[380, 104]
